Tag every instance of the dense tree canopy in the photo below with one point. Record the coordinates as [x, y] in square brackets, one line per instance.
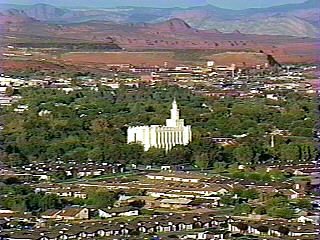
[91, 125]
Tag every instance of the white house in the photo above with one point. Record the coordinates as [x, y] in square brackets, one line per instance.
[309, 219]
[118, 212]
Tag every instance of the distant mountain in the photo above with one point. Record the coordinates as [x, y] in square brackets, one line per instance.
[271, 25]
[310, 4]
[302, 19]
[6, 6]
[172, 25]
[173, 34]
[45, 12]
[291, 19]
[15, 16]
[169, 34]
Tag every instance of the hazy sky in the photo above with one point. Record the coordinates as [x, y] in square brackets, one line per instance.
[233, 4]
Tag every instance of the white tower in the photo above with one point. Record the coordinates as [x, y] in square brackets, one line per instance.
[175, 120]
[175, 112]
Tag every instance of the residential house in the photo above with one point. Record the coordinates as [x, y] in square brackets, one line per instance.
[50, 214]
[175, 203]
[176, 177]
[72, 213]
[314, 219]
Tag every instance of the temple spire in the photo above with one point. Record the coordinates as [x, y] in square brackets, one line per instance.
[174, 110]
[174, 104]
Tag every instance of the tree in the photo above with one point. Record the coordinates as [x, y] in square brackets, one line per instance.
[243, 227]
[50, 201]
[15, 159]
[135, 232]
[260, 210]
[281, 212]
[263, 229]
[283, 230]
[227, 200]
[150, 109]
[289, 153]
[242, 209]
[32, 202]
[202, 161]
[132, 153]
[154, 156]
[250, 194]
[246, 193]
[9, 91]
[11, 180]
[243, 154]
[219, 167]
[60, 175]
[179, 155]
[138, 203]
[304, 203]
[277, 175]
[101, 198]
[15, 203]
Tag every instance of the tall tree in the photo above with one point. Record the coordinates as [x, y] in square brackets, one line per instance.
[243, 154]
[202, 161]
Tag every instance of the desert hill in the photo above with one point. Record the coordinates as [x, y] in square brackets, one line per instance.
[300, 19]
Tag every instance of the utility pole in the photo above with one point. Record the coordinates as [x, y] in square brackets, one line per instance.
[272, 141]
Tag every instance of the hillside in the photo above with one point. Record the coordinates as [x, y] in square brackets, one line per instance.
[292, 19]
[174, 34]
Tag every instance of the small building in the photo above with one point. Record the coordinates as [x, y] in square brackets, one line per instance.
[118, 212]
[175, 177]
[50, 214]
[67, 214]
[74, 214]
[175, 203]
[314, 219]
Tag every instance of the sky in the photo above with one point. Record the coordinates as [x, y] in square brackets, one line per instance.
[232, 4]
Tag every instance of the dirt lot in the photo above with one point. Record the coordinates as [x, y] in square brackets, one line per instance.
[61, 61]
[135, 58]
[158, 58]
[239, 58]
[286, 54]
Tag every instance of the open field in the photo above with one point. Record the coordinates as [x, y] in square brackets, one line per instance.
[135, 58]
[292, 53]
[62, 60]
[158, 58]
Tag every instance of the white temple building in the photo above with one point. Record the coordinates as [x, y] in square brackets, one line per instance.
[166, 137]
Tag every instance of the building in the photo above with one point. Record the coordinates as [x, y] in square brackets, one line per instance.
[118, 212]
[166, 137]
[175, 177]
[72, 214]
[175, 203]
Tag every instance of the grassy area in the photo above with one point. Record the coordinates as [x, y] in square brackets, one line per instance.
[301, 178]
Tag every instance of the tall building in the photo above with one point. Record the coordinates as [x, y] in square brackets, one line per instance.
[165, 137]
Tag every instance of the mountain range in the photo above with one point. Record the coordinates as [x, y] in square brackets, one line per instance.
[302, 20]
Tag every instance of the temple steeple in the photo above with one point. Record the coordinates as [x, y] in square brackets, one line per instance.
[174, 120]
[174, 110]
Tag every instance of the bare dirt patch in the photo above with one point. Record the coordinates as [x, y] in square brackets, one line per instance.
[134, 58]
